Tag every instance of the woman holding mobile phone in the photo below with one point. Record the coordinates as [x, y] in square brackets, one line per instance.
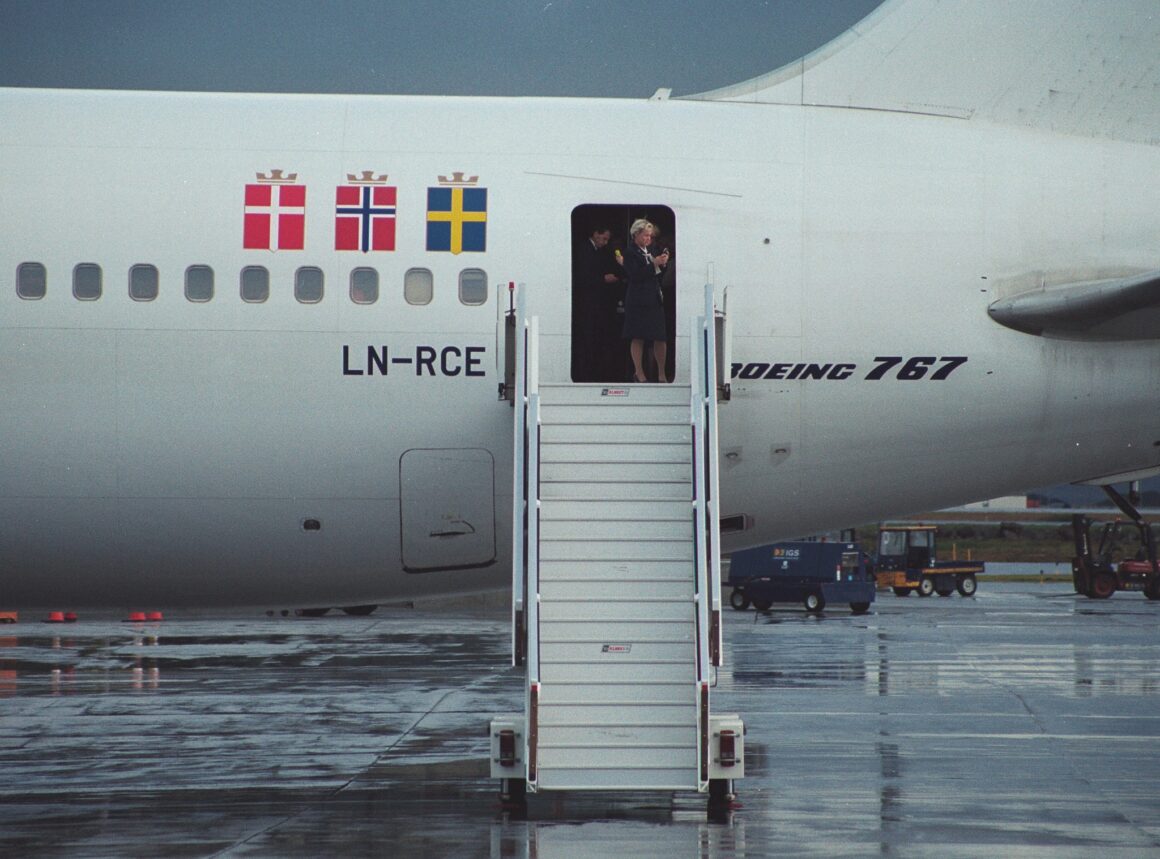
[644, 312]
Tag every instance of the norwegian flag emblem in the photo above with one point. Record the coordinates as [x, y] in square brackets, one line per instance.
[275, 217]
[364, 217]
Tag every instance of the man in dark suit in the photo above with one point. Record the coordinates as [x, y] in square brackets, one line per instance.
[596, 288]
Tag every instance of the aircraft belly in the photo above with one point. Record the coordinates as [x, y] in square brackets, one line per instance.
[153, 553]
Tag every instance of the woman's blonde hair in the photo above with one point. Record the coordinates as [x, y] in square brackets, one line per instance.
[640, 224]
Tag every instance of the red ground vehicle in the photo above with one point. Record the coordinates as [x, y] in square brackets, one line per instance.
[1097, 574]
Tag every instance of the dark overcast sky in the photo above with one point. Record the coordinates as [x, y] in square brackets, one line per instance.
[504, 47]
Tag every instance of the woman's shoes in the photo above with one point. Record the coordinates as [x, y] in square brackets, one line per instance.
[641, 379]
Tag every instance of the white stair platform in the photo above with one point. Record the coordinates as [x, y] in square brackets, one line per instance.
[617, 632]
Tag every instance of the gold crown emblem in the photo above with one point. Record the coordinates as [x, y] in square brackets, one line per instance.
[368, 178]
[458, 180]
[275, 177]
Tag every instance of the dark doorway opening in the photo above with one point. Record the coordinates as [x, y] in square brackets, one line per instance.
[599, 351]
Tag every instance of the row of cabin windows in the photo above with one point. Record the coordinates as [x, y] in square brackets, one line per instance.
[309, 282]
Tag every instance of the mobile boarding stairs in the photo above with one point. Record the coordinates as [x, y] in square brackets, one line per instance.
[616, 603]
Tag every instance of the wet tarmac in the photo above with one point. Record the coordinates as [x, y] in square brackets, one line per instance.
[1023, 721]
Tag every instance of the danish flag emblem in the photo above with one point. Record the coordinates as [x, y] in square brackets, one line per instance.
[275, 217]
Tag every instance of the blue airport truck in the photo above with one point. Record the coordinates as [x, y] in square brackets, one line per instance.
[814, 574]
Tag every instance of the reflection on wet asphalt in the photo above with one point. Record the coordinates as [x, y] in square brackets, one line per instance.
[1022, 720]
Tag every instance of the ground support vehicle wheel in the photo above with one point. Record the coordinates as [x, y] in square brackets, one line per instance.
[859, 607]
[967, 586]
[1103, 586]
[1153, 592]
[926, 586]
[814, 602]
[944, 592]
[738, 599]
[762, 605]
[902, 592]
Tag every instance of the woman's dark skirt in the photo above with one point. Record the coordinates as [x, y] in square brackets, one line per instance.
[644, 314]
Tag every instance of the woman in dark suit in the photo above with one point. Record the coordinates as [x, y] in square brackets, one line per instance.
[644, 312]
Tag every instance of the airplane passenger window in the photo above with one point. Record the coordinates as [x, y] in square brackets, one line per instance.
[308, 284]
[199, 283]
[418, 286]
[31, 280]
[255, 284]
[473, 286]
[143, 282]
[87, 281]
[364, 285]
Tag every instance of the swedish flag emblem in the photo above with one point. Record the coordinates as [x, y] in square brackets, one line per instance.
[457, 217]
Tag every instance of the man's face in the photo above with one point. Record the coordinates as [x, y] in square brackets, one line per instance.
[601, 239]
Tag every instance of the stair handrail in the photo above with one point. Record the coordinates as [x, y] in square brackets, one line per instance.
[703, 372]
[519, 482]
[697, 418]
[526, 520]
[712, 477]
[703, 408]
[525, 483]
[533, 577]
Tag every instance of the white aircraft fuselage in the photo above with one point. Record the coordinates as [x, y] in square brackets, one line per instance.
[177, 452]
